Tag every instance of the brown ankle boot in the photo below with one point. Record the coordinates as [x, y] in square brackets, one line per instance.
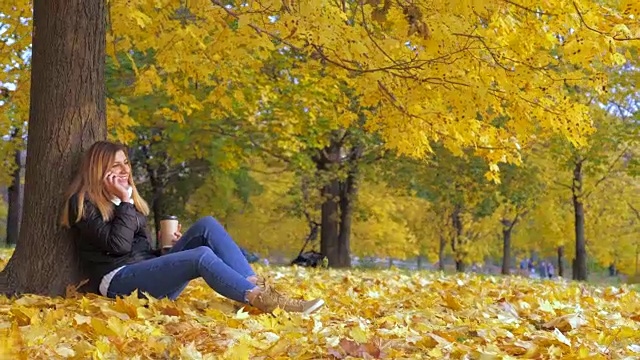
[268, 300]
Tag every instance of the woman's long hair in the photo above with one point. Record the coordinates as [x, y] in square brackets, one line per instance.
[89, 184]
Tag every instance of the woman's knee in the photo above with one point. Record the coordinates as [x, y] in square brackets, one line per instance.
[204, 257]
[209, 222]
[202, 252]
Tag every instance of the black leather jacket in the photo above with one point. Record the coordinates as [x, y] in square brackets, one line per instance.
[105, 246]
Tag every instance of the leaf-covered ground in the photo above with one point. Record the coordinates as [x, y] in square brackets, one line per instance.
[369, 314]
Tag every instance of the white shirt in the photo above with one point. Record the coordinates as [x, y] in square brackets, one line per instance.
[106, 280]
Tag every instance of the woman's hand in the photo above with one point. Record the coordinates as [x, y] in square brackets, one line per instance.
[176, 236]
[115, 188]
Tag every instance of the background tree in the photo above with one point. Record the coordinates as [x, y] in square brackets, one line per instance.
[15, 47]
[518, 191]
[587, 170]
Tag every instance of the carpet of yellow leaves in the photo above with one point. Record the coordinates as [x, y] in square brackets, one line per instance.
[369, 314]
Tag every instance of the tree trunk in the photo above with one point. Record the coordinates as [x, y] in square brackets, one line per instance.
[443, 244]
[158, 204]
[67, 115]
[419, 262]
[455, 242]
[331, 238]
[16, 200]
[561, 261]
[581, 249]
[506, 250]
[329, 242]
[580, 268]
[348, 191]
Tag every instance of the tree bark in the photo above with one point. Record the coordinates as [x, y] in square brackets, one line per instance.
[561, 261]
[580, 268]
[348, 190]
[16, 200]
[506, 250]
[329, 228]
[507, 230]
[443, 244]
[336, 209]
[67, 115]
[457, 253]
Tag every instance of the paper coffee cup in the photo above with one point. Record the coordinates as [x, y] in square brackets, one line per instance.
[168, 227]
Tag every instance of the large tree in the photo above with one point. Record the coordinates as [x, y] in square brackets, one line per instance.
[66, 115]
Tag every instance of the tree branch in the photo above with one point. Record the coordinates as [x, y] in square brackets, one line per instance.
[563, 185]
[537, 12]
[575, 5]
[637, 213]
[254, 27]
[609, 171]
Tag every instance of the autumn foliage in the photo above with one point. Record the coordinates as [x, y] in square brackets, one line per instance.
[209, 86]
[370, 314]
[442, 129]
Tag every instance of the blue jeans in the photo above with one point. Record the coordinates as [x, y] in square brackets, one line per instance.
[206, 250]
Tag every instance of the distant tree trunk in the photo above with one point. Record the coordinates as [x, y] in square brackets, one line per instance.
[334, 242]
[506, 250]
[16, 200]
[455, 242]
[507, 230]
[338, 197]
[580, 269]
[419, 262]
[67, 115]
[348, 191]
[329, 229]
[561, 261]
[441, 248]
[158, 201]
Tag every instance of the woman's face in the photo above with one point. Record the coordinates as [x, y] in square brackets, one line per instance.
[121, 168]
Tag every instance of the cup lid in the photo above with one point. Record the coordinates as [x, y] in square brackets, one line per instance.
[169, 217]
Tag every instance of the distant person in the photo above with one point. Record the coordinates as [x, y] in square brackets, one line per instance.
[550, 270]
[109, 222]
[532, 269]
[523, 267]
[543, 269]
[612, 270]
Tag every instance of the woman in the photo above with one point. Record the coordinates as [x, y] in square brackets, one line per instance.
[108, 218]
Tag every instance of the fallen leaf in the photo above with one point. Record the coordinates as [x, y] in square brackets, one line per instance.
[566, 322]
